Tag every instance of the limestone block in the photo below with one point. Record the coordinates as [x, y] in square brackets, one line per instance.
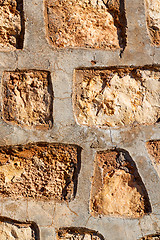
[153, 20]
[11, 24]
[151, 237]
[39, 171]
[153, 148]
[87, 24]
[117, 188]
[27, 98]
[117, 97]
[78, 234]
[10, 230]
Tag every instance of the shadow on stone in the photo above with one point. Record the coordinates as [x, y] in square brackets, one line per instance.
[18, 230]
[78, 233]
[117, 188]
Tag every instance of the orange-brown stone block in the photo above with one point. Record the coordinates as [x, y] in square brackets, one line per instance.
[153, 148]
[87, 24]
[28, 98]
[117, 189]
[39, 171]
[11, 24]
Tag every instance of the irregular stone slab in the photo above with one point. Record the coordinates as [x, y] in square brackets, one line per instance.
[151, 237]
[117, 97]
[10, 230]
[153, 148]
[78, 234]
[39, 171]
[11, 24]
[117, 189]
[88, 24]
[27, 98]
[153, 20]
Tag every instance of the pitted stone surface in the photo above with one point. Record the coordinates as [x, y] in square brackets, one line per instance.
[117, 188]
[87, 24]
[39, 171]
[12, 230]
[78, 234]
[28, 98]
[153, 148]
[151, 237]
[153, 20]
[117, 96]
[11, 24]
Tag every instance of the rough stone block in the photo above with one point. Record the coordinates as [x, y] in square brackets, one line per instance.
[27, 98]
[39, 171]
[151, 237]
[11, 24]
[116, 96]
[87, 24]
[153, 148]
[78, 234]
[117, 188]
[10, 230]
[153, 20]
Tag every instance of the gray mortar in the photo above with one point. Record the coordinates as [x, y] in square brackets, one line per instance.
[38, 54]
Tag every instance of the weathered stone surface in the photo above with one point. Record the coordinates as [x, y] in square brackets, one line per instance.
[78, 234]
[151, 237]
[38, 53]
[117, 188]
[10, 230]
[117, 96]
[27, 98]
[39, 171]
[87, 24]
[153, 148]
[153, 20]
[11, 24]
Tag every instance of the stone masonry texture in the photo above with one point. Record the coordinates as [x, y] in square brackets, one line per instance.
[11, 24]
[79, 120]
[153, 237]
[153, 20]
[78, 234]
[117, 188]
[27, 98]
[10, 230]
[153, 148]
[117, 97]
[88, 24]
[38, 171]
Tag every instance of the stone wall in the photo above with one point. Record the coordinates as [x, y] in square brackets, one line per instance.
[79, 120]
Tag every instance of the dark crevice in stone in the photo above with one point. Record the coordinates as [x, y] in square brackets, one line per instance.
[78, 232]
[20, 38]
[120, 21]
